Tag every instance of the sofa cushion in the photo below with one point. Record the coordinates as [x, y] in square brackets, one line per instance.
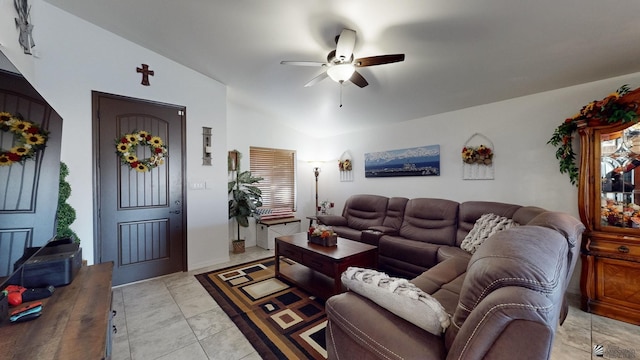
[399, 268]
[485, 226]
[444, 281]
[430, 220]
[412, 257]
[363, 211]
[395, 212]
[399, 296]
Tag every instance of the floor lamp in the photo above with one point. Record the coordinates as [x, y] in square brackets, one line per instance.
[316, 172]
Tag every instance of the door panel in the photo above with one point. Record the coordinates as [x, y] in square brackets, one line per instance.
[28, 201]
[141, 215]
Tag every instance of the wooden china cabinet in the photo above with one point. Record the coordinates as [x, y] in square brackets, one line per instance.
[609, 203]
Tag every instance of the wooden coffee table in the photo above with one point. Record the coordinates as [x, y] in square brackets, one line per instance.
[318, 268]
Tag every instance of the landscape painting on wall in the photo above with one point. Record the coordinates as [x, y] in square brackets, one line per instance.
[417, 161]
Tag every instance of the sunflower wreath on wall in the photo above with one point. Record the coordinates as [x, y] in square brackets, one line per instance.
[28, 139]
[127, 145]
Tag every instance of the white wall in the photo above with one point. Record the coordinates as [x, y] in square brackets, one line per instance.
[74, 58]
[526, 171]
[247, 127]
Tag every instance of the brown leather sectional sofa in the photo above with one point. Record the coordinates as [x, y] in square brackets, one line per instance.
[505, 300]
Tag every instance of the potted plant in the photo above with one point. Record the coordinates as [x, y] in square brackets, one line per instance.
[65, 214]
[244, 199]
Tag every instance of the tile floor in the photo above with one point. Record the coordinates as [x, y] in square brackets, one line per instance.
[173, 317]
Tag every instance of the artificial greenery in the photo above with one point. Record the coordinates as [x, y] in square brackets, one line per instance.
[609, 110]
[66, 214]
[244, 198]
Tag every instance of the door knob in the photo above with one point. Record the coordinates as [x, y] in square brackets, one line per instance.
[174, 212]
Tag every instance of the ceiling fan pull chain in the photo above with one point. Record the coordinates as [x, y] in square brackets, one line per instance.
[341, 82]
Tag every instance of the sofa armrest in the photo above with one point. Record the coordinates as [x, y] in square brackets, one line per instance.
[509, 322]
[447, 252]
[385, 230]
[332, 220]
[373, 234]
[357, 328]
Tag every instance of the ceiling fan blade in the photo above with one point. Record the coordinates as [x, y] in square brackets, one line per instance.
[346, 43]
[303, 63]
[358, 79]
[317, 79]
[378, 60]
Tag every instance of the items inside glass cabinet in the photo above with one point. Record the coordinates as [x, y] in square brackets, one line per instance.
[620, 178]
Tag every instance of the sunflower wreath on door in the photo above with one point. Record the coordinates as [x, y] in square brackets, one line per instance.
[127, 149]
[28, 139]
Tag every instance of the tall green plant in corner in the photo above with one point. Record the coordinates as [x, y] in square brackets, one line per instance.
[66, 214]
[244, 198]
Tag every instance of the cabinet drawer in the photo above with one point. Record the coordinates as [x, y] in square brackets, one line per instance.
[290, 251]
[617, 248]
[318, 263]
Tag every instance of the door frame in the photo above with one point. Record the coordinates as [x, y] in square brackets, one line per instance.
[97, 241]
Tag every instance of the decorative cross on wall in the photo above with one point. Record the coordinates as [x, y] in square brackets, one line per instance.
[22, 22]
[145, 74]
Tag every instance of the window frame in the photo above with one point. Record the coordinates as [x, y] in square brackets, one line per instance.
[262, 163]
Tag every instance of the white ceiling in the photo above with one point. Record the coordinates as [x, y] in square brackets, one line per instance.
[459, 53]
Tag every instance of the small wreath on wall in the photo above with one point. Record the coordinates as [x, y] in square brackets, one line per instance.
[345, 165]
[29, 138]
[482, 155]
[477, 158]
[126, 147]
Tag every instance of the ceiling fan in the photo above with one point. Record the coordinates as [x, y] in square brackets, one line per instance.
[341, 65]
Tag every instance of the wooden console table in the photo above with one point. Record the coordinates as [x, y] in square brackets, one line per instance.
[75, 322]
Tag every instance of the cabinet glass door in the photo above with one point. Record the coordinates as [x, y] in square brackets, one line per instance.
[620, 178]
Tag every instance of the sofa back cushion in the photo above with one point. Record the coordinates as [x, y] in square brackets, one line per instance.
[395, 212]
[471, 211]
[363, 211]
[566, 225]
[525, 214]
[530, 257]
[430, 220]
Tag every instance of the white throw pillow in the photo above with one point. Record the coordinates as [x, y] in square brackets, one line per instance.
[485, 226]
[400, 297]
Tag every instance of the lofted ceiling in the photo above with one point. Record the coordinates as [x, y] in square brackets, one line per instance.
[459, 53]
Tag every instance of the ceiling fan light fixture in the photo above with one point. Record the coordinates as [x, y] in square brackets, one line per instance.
[341, 72]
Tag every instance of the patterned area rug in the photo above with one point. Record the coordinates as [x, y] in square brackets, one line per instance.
[281, 321]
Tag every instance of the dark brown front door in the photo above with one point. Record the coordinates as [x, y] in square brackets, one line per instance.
[141, 217]
[29, 190]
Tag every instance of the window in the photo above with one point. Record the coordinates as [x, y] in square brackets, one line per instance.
[277, 167]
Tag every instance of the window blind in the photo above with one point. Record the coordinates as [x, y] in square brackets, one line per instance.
[277, 167]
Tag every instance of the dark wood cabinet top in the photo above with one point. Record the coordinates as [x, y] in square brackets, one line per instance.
[73, 324]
